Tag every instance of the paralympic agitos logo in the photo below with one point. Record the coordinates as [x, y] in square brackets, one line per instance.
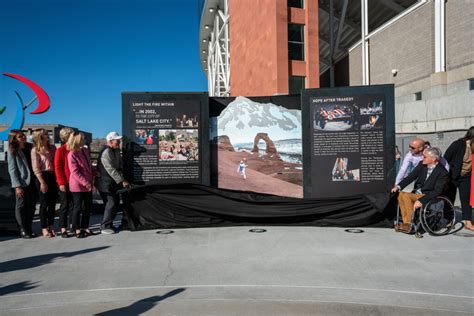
[19, 119]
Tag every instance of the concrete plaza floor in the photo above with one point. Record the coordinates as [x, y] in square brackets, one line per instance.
[231, 271]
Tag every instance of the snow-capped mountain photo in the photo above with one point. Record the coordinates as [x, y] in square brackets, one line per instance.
[243, 119]
[275, 167]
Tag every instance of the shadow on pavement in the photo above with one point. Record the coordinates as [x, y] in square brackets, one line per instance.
[35, 261]
[4, 236]
[17, 287]
[464, 234]
[141, 306]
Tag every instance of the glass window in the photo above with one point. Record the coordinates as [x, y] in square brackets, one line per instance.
[296, 84]
[296, 3]
[418, 96]
[471, 84]
[295, 42]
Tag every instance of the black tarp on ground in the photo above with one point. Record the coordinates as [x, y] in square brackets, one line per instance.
[191, 205]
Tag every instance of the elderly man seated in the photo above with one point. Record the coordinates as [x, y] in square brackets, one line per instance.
[431, 180]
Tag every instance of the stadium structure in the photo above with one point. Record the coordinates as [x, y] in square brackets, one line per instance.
[424, 48]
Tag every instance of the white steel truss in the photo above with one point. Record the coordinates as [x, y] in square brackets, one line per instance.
[218, 67]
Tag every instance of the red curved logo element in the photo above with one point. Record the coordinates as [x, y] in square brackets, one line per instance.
[43, 98]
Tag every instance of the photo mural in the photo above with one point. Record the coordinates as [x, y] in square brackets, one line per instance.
[257, 144]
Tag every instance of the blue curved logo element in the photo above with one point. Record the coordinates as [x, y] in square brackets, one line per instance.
[18, 121]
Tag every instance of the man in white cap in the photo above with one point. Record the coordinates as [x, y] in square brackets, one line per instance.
[111, 179]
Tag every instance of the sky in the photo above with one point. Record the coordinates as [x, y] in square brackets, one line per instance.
[85, 53]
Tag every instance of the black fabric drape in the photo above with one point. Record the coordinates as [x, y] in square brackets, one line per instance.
[192, 205]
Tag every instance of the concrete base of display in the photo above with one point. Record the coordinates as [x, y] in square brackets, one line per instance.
[231, 271]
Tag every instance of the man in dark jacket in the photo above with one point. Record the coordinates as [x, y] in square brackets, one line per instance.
[431, 180]
[111, 179]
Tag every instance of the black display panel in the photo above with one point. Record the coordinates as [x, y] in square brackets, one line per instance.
[348, 140]
[166, 137]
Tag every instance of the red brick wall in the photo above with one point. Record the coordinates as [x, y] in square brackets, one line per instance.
[259, 46]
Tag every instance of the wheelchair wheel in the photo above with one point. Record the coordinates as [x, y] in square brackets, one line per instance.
[437, 217]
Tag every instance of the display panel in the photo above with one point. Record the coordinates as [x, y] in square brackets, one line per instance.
[348, 137]
[167, 137]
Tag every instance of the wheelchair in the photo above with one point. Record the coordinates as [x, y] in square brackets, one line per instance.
[437, 218]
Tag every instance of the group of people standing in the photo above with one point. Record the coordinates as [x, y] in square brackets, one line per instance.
[436, 174]
[39, 173]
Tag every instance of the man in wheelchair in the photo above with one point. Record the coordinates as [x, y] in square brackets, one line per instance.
[431, 180]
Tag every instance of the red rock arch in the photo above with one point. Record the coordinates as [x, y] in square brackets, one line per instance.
[271, 149]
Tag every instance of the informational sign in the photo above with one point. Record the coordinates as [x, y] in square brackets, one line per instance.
[167, 137]
[349, 139]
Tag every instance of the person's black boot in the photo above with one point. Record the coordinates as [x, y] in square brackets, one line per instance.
[25, 235]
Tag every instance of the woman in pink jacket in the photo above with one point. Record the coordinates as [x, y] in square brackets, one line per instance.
[80, 184]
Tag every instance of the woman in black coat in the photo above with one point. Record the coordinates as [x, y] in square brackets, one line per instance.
[459, 158]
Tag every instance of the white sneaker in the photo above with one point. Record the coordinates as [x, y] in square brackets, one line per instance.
[107, 231]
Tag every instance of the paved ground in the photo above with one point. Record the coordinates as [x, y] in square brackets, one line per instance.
[230, 271]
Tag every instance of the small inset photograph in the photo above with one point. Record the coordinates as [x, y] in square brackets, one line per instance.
[333, 118]
[375, 107]
[179, 145]
[145, 137]
[185, 120]
[341, 171]
[369, 122]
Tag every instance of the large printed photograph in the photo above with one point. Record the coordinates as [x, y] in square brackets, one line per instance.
[259, 145]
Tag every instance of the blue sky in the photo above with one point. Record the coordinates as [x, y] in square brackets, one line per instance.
[85, 53]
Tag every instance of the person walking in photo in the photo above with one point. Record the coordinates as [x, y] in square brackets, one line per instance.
[20, 170]
[42, 160]
[459, 157]
[61, 170]
[80, 184]
[241, 169]
[110, 180]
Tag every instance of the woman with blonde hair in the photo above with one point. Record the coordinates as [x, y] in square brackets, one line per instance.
[62, 172]
[42, 160]
[19, 168]
[80, 184]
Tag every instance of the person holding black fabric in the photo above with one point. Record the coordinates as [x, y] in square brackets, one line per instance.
[110, 180]
[431, 180]
[459, 158]
[20, 170]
